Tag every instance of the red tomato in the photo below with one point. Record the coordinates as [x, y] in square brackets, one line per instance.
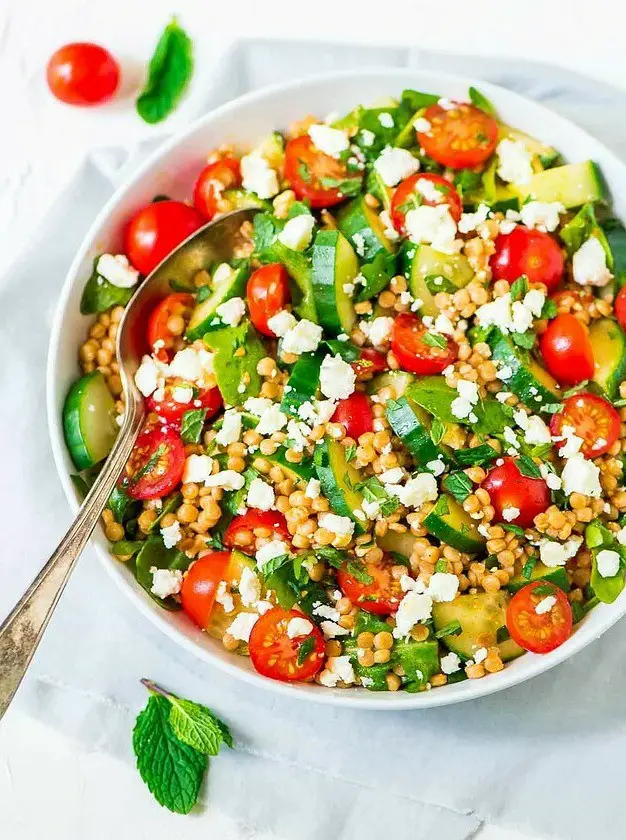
[592, 418]
[156, 464]
[310, 172]
[461, 137]
[156, 230]
[408, 196]
[508, 488]
[620, 307]
[267, 293]
[83, 74]
[177, 304]
[271, 519]
[539, 632]
[222, 175]
[172, 412]
[277, 656]
[531, 252]
[413, 353]
[381, 596]
[355, 415]
[566, 350]
[200, 585]
[369, 362]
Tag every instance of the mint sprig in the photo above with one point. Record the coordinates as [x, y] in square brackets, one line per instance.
[172, 740]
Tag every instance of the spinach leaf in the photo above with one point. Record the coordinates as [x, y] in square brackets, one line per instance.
[598, 538]
[125, 548]
[170, 504]
[236, 371]
[169, 72]
[191, 425]
[480, 101]
[377, 274]
[100, 295]
[123, 506]
[154, 554]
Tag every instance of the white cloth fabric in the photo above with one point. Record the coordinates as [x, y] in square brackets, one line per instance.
[547, 756]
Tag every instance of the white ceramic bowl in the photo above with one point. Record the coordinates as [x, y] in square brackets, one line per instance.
[172, 171]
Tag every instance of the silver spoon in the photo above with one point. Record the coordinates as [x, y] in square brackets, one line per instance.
[23, 628]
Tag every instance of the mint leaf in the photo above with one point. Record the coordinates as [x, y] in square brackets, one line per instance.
[437, 431]
[519, 287]
[350, 453]
[527, 467]
[458, 485]
[169, 72]
[197, 726]
[306, 649]
[357, 570]
[435, 340]
[549, 309]
[172, 770]
[191, 425]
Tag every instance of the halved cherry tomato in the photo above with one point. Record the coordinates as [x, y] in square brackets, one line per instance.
[413, 352]
[508, 488]
[221, 175]
[539, 632]
[175, 306]
[531, 252]
[369, 362]
[156, 230]
[460, 137]
[156, 464]
[381, 596]
[83, 74]
[172, 412]
[566, 350]
[200, 585]
[408, 195]
[313, 175]
[620, 307]
[247, 522]
[267, 293]
[592, 418]
[277, 656]
[355, 415]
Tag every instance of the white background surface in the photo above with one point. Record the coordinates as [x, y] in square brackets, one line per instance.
[87, 794]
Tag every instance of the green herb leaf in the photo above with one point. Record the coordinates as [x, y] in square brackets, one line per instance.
[458, 485]
[549, 309]
[274, 564]
[332, 556]
[357, 570]
[100, 295]
[232, 371]
[191, 425]
[526, 339]
[480, 101]
[435, 340]
[502, 635]
[169, 72]
[203, 293]
[197, 726]
[580, 387]
[374, 491]
[467, 181]
[305, 650]
[514, 529]
[350, 453]
[550, 408]
[437, 431]
[125, 548]
[451, 629]
[528, 467]
[544, 589]
[477, 456]
[519, 288]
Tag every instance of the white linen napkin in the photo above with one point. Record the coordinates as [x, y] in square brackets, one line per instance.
[547, 756]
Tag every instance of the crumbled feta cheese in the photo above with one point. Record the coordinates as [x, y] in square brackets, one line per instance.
[297, 232]
[462, 406]
[379, 330]
[339, 525]
[551, 479]
[422, 125]
[534, 301]
[443, 586]
[589, 264]
[371, 509]
[413, 608]
[581, 476]
[331, 141]
[470, 221]
[390, 232]
[326, 611]
[429, 191]
[433, 226]
[299, 627]
[392, 476]
[437, 467]
[505, 372]
[231, 428]
[545, 605]
[281, 323]
[359, 245]
[608, 562]
[270, 550]
[422, 488]
[227, 479]
[272, 420]
[450, 663]
[368, 137]
[148, 375]
[298, 433]
[572, 442]
[197, 469]
[337, 668]
[223, 597]
[510, 437]
[337, 378]
[117, 270]
[332, 630]
[543, 215]
[386, 120]
[260, 495]
[191, 364]
[182, 394]
[348, 289]
[514, 161]
[536, 432]
[222, 274]
[480, 655]
[303, 338]
[407, 583]
[443, 325]
[257, 175]
[502, 396]
[509, 513]
[242, 626]
[395, 164]
[257, 405]
[509, 316]
[231, 311]
[165, 582]
[171, 535]
[621, 536]
[313, 489]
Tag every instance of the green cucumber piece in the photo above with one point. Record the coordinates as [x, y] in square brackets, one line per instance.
[608, 343]
[240, 199]
[452, 525]
[573, 185]
[556, 575]
[529, 380]
[303, 383]
[303, 471]
[88, 420]
[362, 226]
[409, 421]
[426, 264]
[339, 480]
[399, 543]
[398, 380]
[479, 615]
[204, 317]
[615, 235]
[334, 265]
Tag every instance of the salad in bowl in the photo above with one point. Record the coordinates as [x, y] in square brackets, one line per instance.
[383, 444]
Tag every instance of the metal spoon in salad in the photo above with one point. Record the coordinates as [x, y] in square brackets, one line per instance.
[22, 630]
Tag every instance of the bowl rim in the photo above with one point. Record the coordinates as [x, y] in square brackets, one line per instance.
[347, 698]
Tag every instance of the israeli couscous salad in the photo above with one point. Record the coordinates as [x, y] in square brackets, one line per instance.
[383, 445]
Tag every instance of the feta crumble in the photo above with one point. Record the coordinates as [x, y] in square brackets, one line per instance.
[299, 627]
[379, 330]
[271, 420]
[242, 626]
[257, 175]
[432, 226]
[470, 221]
[337, 668]
[331, 141]
[304, 337]
[297, 232]
[165, 582]
[386, 120]
[260, 495]
[589, 264]
[171, 535]
[514, 161]
[543, 215]
[422, 125]
[510, 513]
[249, 587]
[227, 479]
[450, 663]
[337, 378]
[281, 323]
[413, 608]
[231, 311]
[443, 586]
[339, 525]
[581, 476]
[395, 164]
[413, 494]
[117, 270]
[545, 605]
[608, 563]
[197, 469]
[270, 550]
[223, 597]
[231, 428]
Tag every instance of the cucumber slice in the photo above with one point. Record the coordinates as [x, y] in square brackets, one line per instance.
[240, 199]
[428, 267]
[303, 383]
[88, 420]
[339, 479]
[298, 472]
[609, 353]
[480, 616]
[400, 543]
[556, 575]
[573, 185]
[410, 423]
[529, 380]
[203, 317]
[452, 525]
[362, 226]
[334, 265]
[398, 380]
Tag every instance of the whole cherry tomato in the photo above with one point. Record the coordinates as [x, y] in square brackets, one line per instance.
[83, 74]
[566, 350]
[156, 230]
[510, 490]
[531, 252]
[355, 415]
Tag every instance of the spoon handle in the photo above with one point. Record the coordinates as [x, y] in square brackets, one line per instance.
[23, 628]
